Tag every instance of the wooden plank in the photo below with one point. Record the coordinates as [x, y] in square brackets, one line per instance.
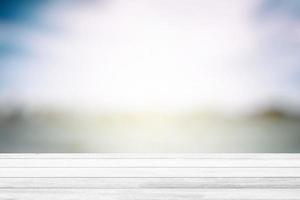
[148, 162]
[150, 194]
[136, 183]
[149, 172]
[135, 176]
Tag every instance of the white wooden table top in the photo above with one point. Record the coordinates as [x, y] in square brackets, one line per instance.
[126, 177]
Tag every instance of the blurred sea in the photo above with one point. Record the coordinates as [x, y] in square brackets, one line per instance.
[190, 132]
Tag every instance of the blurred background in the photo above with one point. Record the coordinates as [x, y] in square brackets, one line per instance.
[150, 76]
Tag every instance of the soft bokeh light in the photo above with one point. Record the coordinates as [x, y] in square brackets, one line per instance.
[150, 76]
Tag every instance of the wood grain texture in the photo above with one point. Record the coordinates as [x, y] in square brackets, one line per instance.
[131, 176]
[151, 183]
[149, 194]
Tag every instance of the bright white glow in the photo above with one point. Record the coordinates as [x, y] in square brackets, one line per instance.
[134, 55]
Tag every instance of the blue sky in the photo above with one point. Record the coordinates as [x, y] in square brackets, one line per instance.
[17, 13]
[233, 56]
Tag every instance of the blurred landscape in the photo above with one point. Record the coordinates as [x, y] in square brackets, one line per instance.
[150, 76]
[271, 130]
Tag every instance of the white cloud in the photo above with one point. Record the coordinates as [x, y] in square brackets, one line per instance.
[148, 55]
